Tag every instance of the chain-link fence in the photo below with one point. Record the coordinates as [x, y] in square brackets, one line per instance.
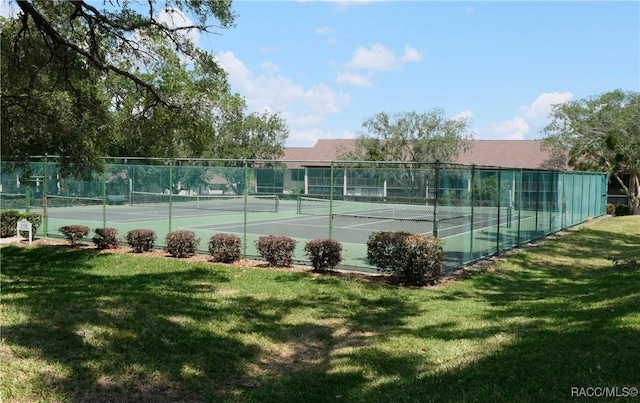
[477, 211]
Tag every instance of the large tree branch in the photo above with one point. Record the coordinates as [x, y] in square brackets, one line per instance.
[44, 26]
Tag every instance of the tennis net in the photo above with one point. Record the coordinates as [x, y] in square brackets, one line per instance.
[13, 200]
[73, 201]
[253, 203]
[323, 207]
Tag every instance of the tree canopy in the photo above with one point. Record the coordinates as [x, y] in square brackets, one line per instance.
[600, 133]
[413, 138]
[124, 80]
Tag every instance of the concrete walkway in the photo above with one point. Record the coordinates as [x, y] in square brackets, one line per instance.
[12, 239]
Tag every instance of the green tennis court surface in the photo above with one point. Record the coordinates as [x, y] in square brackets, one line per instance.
[352, 228]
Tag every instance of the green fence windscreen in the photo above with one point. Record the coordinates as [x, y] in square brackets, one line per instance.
[476, 211]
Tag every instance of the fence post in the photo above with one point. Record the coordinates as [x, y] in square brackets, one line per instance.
[245, 198]
[472, 200]
[590, 193]
[435, 200]
[537, 201]
[104, 200]
[553, 200]
[170, 192]
[331, 201]
[499, 207]
[581, 197]
[27, 198]
[44, 197]
[519, 205]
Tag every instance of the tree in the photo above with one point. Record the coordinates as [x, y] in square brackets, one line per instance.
[600, 133]
[413, 139]
[50, 109]
[58, 59]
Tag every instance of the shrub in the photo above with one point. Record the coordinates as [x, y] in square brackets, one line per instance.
[622, 209]
[611, 209]
[422, 261]
[325, 254]
[141, 240]
[35, 219]
[383, 249]
[74, 233]
[181, 243]
[276, 250]
[106, 238]
[410, 258]
[8, 221]
[224, 248]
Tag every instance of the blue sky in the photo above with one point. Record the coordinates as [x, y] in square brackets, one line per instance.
[327, 66]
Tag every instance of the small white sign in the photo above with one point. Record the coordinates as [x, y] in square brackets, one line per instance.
[24, 225]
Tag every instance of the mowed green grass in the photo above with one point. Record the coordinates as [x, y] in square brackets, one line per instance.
[78, 325]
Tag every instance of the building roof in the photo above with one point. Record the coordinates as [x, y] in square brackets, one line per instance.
[502, 153]
[505, 153]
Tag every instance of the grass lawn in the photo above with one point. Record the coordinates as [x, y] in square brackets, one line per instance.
[78, 325]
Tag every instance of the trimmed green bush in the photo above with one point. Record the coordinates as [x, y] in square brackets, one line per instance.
[35, 219]
[409, 258]
[423, 260]
[106, 238]
[324, 254]
[8, 222]
[225, 248]
[74, 233]
[277, 250]
[622, 209]
[141, 240]
[181, 243]
[383, 249]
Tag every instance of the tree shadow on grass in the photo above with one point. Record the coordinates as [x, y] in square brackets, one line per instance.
[157, 337]
[551, 328]
[145, 337]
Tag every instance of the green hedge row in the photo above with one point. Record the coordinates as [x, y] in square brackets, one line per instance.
[9, 221]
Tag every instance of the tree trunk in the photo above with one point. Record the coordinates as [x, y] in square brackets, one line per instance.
[634, 195]
[632, 192]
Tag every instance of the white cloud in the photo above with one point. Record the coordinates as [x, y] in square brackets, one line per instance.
[411, 55]
[354, 79]
[268, 49]
[529, 119]
[174, 18]
[327, 32]
[377, 57]
[9, 9]
[269, 68]
[305, 138]
[513, 129]
[270, 90]
[466, 115]
[344, 4]
[541, 107]
[239, 74]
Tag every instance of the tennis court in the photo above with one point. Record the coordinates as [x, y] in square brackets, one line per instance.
[301, 219]
[476, 211]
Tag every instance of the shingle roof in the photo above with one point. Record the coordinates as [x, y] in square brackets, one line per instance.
[503, 153]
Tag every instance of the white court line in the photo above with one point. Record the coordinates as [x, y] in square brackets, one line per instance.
[477, 229]
[291, 221]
